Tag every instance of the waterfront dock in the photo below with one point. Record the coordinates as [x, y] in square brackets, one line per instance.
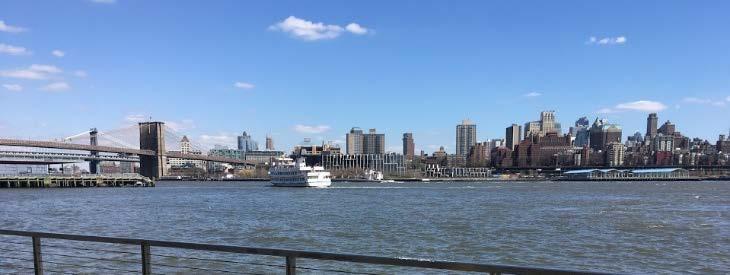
[66, 181]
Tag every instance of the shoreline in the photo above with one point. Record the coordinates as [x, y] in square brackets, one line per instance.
[413, 180]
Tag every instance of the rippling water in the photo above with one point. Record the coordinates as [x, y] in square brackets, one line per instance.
[647, 227]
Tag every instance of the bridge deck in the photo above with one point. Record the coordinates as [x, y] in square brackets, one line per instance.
[119, 150]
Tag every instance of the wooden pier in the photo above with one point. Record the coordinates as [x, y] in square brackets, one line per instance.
[67, 181]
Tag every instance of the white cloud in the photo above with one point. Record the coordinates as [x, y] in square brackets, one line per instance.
[13, 50]
[727, 98]
[13, 87]
[23, 74]
[704, 101]
[307, 129]
[56, 87]
[135, 118]
[12, 29]
[532, 94]
[80, 73]
[58, 53]
[50, 69]
[217, 139]
[619, 40]
[34, 72]
[104, 1]
[605, 111]
[179, 126]
[244, 85]
[356, 29]
[310, 31]
[642, 105]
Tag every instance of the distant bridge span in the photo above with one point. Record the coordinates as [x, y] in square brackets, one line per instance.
[25, 157]
[152, 155]
[118, 150]
[72, 146]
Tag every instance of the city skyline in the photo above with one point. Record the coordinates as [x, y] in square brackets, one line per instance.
[218, 78]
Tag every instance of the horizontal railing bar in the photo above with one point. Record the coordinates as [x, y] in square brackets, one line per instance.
[420, 263]
[76, 248]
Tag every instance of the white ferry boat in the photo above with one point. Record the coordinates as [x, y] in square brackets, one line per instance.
[287, 173]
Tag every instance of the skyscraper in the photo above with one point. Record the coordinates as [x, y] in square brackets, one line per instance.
[602, 133]
[547, 122]
[354, 140]
[532, 128]
[269, 143]
[512, 136]
[408, 146]
[580, 132]
[466, 137]
[373, 143]
[360, 143]
[668, 128]
[246, 143]
[651, 126]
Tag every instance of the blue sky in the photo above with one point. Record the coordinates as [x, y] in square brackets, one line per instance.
[215, 68]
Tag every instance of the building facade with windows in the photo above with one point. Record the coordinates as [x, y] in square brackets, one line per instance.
[466, 137]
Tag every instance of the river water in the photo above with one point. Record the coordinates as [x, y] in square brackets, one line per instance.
[623, 227]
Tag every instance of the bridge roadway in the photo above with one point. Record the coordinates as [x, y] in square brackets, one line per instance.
[25, 157]
[119, 150]
[72, 146]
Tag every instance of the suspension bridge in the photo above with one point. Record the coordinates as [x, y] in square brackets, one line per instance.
[144, 143]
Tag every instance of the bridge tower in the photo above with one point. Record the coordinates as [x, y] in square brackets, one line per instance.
[152, 137]
[94, 165]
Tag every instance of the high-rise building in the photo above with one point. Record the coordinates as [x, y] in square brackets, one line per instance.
[603, 133]
[354, 141]
[580, 132]
[373, 143]
[651, 126]
[723, 144]
[359, 143]
[186, 148]
[532, 128]
[636, 140]
[512, 136]
[408, 146]
[246, 143]
[615, 154]
[185, 145]
[667, 129]
[663, 149]
[466, 137]
[269, 143]
[547, 124]
[663, 143]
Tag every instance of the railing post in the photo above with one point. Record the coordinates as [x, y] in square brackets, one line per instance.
[146, 259]
[37, 258]
[291, 265]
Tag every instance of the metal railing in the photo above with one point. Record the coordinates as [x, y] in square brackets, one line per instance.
[145, 260]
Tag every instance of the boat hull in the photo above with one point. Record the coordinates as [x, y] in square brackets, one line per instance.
[311, 183]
